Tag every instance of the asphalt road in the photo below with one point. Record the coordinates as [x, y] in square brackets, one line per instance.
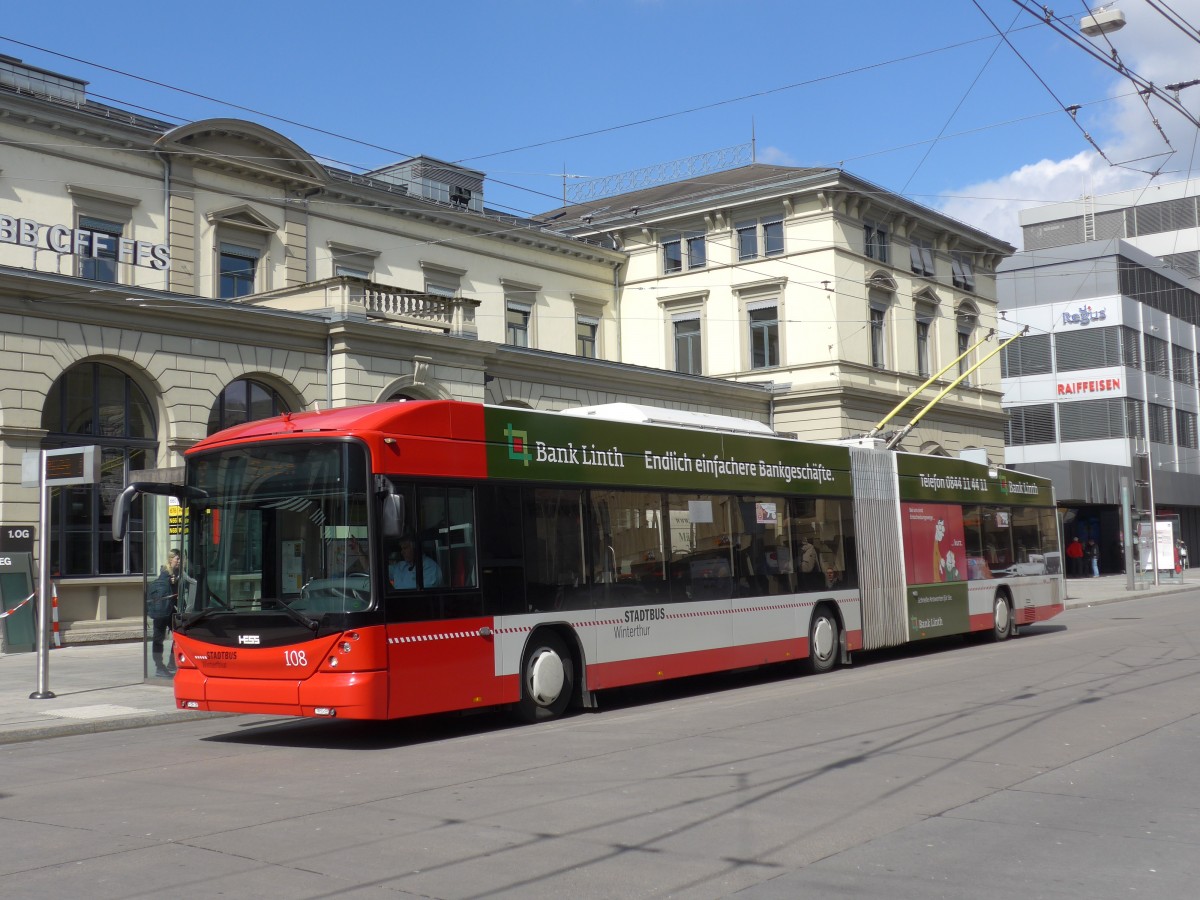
[1065, 763]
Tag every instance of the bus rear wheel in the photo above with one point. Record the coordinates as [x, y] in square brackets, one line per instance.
[1001, 618]
[823, 642]
[547, 678]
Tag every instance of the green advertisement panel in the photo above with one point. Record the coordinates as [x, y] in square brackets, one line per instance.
[16, 585]
[937, 610]
[946, 480]
[556, 448]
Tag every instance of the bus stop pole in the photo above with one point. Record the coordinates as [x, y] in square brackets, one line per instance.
[43, 691]
[1127, 535]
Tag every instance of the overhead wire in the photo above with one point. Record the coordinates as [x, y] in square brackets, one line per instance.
[954, 112]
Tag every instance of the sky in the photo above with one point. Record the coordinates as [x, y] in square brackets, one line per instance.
[956, 104]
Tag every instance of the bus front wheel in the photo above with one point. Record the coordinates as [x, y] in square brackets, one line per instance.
[1001, 618]
[547, 678]
[823, 641]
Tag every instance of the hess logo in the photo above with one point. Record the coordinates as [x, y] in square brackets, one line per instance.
[248, 639]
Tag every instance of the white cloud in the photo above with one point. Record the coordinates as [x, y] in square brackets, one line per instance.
[993, 205]
[774, 156]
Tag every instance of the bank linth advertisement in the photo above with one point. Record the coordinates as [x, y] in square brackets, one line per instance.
[935, 566]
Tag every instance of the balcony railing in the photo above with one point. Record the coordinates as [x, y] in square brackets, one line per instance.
[346, 296]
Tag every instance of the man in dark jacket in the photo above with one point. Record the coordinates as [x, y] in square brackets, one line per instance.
[1092, 554]
[160, 608]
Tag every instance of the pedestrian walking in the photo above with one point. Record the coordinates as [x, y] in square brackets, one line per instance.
[160, 610]
[1091, 553]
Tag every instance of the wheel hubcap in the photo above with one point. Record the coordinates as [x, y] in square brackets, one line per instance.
[822, 639]
[546, 677]
[1001, 616]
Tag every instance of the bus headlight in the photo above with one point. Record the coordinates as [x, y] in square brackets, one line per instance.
[333, 662]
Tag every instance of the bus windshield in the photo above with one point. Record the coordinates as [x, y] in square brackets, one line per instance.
[281, 526]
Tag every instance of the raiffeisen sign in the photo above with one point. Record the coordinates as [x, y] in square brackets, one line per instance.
[1085, 316]
[82, 242]
[1093, 386]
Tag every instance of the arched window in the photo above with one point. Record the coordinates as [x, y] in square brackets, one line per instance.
[242, 401]
[97, 404]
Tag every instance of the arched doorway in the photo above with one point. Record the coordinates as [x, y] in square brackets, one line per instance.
[94, 403]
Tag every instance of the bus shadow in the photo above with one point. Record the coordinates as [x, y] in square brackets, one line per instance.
[362, 735]
[359, 735]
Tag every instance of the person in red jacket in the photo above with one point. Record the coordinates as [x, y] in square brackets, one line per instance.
[1075, 558]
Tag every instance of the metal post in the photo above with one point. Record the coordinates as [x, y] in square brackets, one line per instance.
[1153, 509]
[43, 691]
[1127, 533]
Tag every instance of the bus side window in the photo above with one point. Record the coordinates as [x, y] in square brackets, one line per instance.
[501, 566]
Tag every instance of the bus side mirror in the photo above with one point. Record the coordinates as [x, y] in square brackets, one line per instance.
[120, 513]
[393, 515]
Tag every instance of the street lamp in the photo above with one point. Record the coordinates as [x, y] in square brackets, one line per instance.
[1102, 20]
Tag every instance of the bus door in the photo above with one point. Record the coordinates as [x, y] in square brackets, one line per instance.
[441, 646]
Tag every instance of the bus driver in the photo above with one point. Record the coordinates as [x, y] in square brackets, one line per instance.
[403, 574]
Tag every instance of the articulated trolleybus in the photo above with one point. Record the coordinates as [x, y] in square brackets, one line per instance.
[400, 559]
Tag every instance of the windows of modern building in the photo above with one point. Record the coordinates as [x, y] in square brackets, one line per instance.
[1030, 355]
[1094, 420]
[1133, 221]
[1157, 356]
[244, 400]
[1135, 418]
[1185, 429]
[1082, 420]
[1090, 348]
[1183, 364]
[99, 405]
[1160, 424]
[1158, 291]
[1030, 424]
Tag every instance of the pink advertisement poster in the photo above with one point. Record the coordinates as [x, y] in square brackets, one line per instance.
[934, 550]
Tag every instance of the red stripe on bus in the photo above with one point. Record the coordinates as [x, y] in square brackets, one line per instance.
[698, 662]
